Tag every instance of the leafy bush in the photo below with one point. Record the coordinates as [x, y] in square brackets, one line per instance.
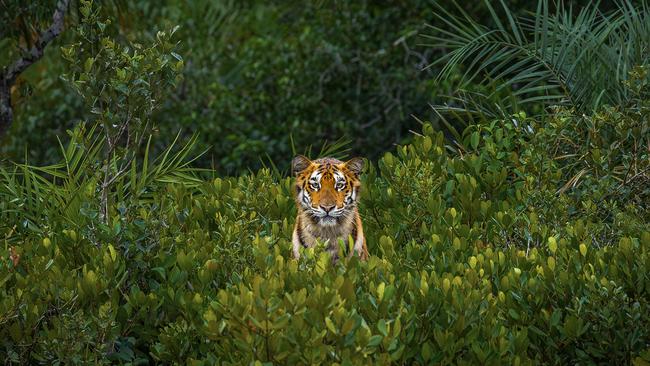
[478, 256]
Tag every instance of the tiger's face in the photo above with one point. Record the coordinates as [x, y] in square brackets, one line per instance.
[327, 189]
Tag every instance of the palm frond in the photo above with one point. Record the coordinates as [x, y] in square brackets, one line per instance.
[560, 58]
[29, 195]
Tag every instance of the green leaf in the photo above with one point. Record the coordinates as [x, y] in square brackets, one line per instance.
[427, 352]
[381, 326]
[475, 140]
[374, 341]
[330, 325]
[513, 313]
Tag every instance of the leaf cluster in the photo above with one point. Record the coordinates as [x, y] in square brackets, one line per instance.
[478, 256]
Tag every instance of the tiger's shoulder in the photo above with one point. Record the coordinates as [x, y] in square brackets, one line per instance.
[327, 193]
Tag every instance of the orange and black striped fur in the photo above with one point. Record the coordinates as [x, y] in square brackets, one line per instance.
[327, 192]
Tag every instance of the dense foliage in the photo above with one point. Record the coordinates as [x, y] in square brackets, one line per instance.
[479, 255]
[522, 239]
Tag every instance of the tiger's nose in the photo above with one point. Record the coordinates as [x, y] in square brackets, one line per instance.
[327, 208]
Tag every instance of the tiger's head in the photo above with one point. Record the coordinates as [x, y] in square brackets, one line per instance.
[327, 189]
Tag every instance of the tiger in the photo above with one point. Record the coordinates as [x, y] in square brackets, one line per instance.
[326, 194]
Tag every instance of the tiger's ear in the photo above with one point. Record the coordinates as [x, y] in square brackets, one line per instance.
[355, 165]
[299, 163]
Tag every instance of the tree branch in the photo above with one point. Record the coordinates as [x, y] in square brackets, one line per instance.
[9, 75]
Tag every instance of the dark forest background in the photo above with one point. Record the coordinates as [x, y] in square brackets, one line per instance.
[261, 79]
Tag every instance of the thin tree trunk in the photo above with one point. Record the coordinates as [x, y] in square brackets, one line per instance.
[6, 113]
[9, 75]
[108, 149]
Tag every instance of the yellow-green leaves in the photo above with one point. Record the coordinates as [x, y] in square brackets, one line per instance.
[583, 249]
[330, 325]
[446, 284]
[472, 262]
[426, 144]
[380, 290]
[552, 244]
[386, 245]
[112, 252]
[551, 263]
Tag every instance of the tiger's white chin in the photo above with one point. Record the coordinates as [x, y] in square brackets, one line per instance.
[327, 221]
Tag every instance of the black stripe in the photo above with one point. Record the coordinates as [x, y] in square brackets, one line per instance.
[312, 219]
[299, 232]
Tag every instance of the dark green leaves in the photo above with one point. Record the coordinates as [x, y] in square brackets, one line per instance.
[543, 58]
